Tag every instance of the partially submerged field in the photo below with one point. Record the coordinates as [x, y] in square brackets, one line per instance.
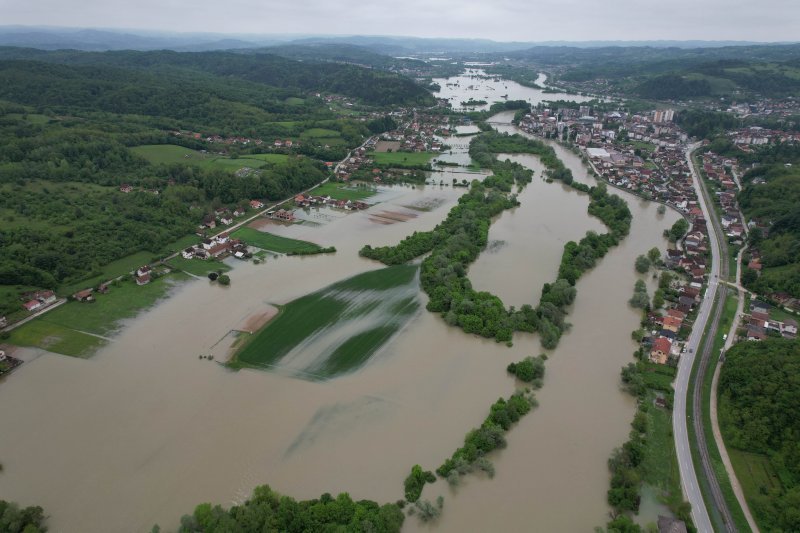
[275, 243]
[337, 329]
[338, 191]
[78, 328]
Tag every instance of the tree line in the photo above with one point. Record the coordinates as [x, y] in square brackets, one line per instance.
[456, 243]
[759, 413]
[268, 510]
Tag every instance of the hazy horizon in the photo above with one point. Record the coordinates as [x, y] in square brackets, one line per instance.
[503, 21]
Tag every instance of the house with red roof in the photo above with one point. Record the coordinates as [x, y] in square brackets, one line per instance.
[659, 352]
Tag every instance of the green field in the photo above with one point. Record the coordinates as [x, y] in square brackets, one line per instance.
[403, 159]
[68, 329]
[660, 463]
[170, 154]
[198, 267]
[269, 158]
[33, 118]
[342, 192]
[754, 472]
[112, 270]
[55, 338]
[335, 330]
[275, 243]
[316, 133]
[101, 317]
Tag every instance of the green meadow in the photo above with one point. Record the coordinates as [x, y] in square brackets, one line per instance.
[403, 159]
[342, 192]
[70, 329]
[172, 154]
[335, 330]
[275, 243]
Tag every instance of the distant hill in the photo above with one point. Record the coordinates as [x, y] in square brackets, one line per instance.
[341, 53]
[675, 73]
[87, 39]
[371, 86]
[93, 40]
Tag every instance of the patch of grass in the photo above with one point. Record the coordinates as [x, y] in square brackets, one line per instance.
[55, 338]
[170, 153]
[124, 300]
[754, 472]
[780, 314]
[336, 329]
[269, 158]
[658, 377]
[181, 244]
[33, 118]
[293, 100]
[403, 159]
[112, 270]
[198, 267]
[660, 464]
[276, 243]
[173, 154]
[314, 133]
[338, 191]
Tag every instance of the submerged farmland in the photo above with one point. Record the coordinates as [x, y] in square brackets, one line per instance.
[337, 329]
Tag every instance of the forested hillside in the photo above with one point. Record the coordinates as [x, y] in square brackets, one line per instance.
[759, 410]
[771, 196]
[69, 123]
[676, 73]
[374, 87]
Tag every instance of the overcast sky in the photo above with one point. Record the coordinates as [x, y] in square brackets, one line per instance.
[502, 20]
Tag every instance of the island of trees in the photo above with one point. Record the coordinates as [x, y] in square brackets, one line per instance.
[455, 244]
[268, 510]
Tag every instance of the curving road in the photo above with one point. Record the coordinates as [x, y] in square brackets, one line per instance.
[689, 483]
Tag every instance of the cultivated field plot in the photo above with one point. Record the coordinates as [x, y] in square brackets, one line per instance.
[170, 153]
[403, 159]
[335, 330]
[387, 146]
[338, 191]
[275, 243]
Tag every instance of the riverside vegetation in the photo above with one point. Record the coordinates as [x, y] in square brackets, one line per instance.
[456, 243]
[268, 510]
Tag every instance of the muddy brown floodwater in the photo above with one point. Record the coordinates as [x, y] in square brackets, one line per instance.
[144, 430]
[553, 475]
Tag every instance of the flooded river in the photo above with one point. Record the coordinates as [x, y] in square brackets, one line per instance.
[144, 431]
[475, 84]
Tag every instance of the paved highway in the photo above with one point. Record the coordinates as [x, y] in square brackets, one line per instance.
[691, 487]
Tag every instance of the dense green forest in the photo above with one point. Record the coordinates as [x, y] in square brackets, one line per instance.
[759, 411]
[675, 73]
[777, 204]
[374, 87]
[268, 510]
